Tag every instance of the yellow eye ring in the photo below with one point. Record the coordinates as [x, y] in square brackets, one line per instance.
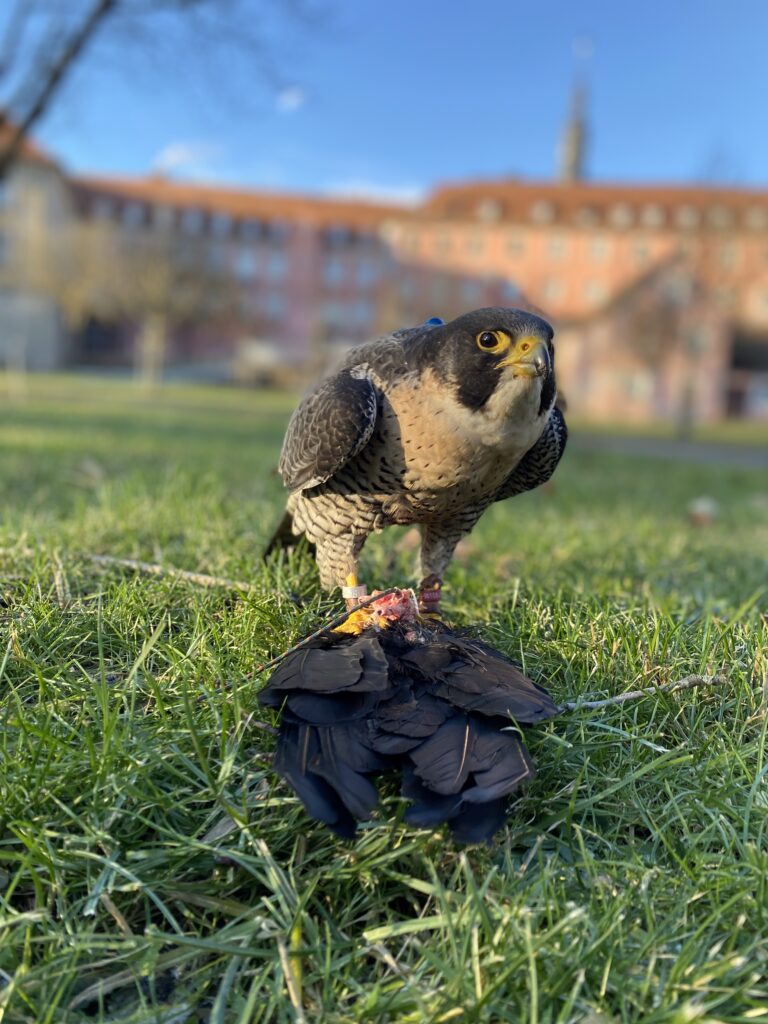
[492, 341]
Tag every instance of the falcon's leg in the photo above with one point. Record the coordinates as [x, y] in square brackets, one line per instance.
[438, 542]
[338, 558]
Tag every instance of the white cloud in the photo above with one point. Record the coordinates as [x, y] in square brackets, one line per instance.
[375, 192]
[193, 159]
[291, 98]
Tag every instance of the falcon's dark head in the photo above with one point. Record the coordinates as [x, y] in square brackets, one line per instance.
[494, 359]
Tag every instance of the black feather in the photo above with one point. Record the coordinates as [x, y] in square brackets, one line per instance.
[320, 800]
[442, 710]
[476, 823]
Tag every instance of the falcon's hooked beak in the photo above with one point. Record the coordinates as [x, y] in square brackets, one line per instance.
[529, 358]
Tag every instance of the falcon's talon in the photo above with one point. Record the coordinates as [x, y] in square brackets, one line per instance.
[433, 617]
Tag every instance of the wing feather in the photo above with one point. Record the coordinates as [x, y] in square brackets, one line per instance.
[329, 427]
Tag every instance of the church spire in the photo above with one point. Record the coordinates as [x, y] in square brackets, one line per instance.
[572, 150]
[573, 142]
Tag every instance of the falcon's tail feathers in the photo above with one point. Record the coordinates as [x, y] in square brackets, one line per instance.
[283, 537]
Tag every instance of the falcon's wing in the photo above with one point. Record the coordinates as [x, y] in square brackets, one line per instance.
[539, 462]
[330, 426]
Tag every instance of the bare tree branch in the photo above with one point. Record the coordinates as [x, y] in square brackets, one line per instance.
[33, 63]
[13, 35]
[72, 50]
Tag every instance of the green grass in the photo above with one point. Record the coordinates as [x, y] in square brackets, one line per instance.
[632, 881]
[750, 432]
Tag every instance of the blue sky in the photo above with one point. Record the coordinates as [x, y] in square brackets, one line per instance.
[390, 98]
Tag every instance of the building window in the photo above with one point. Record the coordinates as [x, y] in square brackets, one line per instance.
[621, 215]
[102, 208]
[595, 292]
[443, 244]
[217, 258]
[274, 306]
[361, 313]
[557, 247]
[277, 266]
[542, 212]
[245, 263]
[515, 245]
[687, 217]
[277, 232]
[510, 291]
[192, 221]
[756, 218]
[719, 216]
[652, 215]
[587, 216]
[332, 313]
[366, 273]
[640, 253]
[730, 253]
[489, 210]
[599, 248]
[471, 292]
[250, 307]
[334, 271]
[552, 289]
[133, 215]
[475, 244]
[250, 230]
[336, 237]
[221, 225]
[163, 217]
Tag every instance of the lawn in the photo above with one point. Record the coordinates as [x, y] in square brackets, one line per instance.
[153, 870]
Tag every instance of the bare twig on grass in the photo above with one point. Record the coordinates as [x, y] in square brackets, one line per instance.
[153, 569]
[681, 684]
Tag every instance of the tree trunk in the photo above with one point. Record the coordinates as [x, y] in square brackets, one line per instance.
[151, 348]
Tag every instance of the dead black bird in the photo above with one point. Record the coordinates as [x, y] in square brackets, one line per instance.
[390, 691]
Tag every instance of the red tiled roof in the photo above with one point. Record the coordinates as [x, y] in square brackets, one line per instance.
[28, 150]
[515, 197]
[315, 210]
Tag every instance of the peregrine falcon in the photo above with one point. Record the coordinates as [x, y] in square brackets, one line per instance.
[428, 426]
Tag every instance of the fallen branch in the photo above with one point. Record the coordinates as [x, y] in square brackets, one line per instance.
[681, 684]
[153, 569]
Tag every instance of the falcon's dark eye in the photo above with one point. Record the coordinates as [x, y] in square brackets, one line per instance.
[493, 341]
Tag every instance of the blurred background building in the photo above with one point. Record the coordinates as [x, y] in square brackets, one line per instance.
[659, 295]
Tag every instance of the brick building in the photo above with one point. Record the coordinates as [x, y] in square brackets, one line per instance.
[659, 294]
[306, 275]
[35, 203]
[581, 252]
